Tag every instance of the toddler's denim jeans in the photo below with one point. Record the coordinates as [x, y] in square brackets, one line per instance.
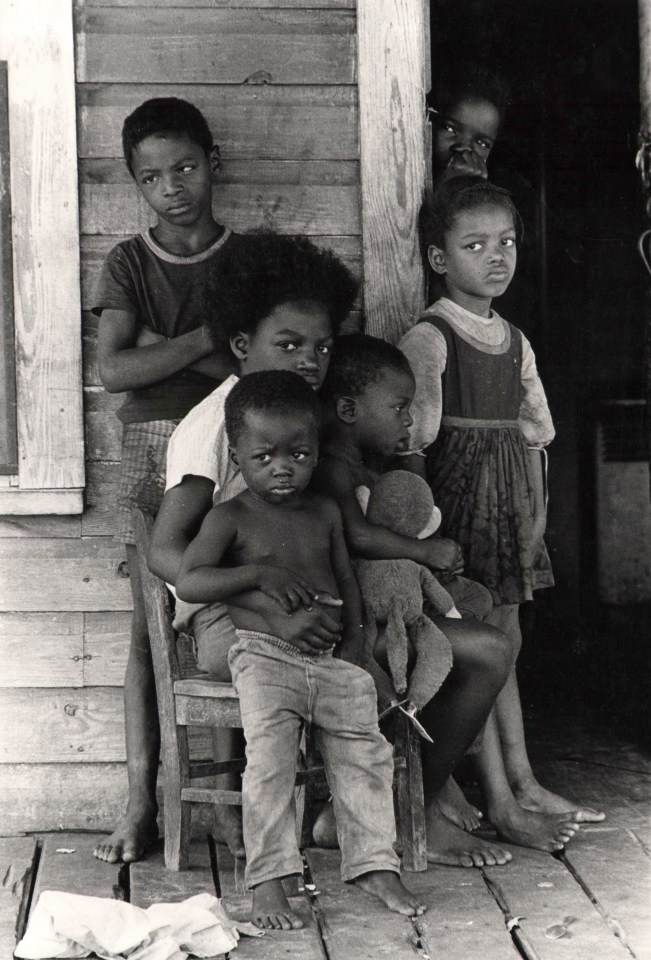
[280, 688]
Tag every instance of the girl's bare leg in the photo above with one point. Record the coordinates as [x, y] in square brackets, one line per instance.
[527, 828]
[482, 658]
[508, 710]
[137, 830]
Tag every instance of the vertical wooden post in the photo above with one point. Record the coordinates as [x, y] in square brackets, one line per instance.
[393, 77]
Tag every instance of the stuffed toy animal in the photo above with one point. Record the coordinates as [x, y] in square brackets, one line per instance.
[393, 593]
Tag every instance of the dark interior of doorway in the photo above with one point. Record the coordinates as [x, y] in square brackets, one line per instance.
[571, 135]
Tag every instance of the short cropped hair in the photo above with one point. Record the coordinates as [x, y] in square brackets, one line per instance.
[457, 194]
[467, 80]
[259, 271]
[164, 115]
[358, 360]
[269, 391]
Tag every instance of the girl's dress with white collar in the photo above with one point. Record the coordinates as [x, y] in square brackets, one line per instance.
[479, 405]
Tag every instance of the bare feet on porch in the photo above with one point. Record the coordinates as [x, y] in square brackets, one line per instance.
[449, 845]
[451, 802]
[387, 887]
[271, 910]
[540, 831]
[533, 796]
[227, 828]
[132, 838]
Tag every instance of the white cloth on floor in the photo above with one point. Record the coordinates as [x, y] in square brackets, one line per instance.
[71, 925]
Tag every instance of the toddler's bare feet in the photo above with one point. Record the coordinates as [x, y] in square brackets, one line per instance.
[387, 887]
[227, 828]
[271, 910]
[533, 796]
[131, 839]
[449, 845]
[540, 831]
[324, 831]
[454, 806]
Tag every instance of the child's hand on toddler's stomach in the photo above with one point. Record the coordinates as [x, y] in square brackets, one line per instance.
[311, 630]
[290, 590]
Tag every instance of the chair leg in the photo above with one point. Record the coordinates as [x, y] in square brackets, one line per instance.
[177, 813]
[410, 797]
[178, 823]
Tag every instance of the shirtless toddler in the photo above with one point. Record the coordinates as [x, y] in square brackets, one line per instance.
[279, 538]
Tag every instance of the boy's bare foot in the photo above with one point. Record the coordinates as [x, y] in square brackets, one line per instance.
[387, 887]
[449, 845]
[540, 831]
[535, 797]
[454, 806]
[227, 828]
[130, 840]
[271, 910]
[324, 831]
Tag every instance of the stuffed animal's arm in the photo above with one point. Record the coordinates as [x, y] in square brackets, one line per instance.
[438, 595]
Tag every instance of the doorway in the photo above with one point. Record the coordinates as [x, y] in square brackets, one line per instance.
[568, 145]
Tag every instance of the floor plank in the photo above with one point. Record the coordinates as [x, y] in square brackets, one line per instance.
[304, 944]
[462, 919]
[151, 882]
[353, 923]
[17, 856]
[77, 871]
[606, 862]
[541, 892]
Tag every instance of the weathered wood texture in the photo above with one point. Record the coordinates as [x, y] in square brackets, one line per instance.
[8, 433]
[39, 50]
[77, 796]
[392, 41]
[67, 864]
[17, 859]
[254, 121]
[215, 46]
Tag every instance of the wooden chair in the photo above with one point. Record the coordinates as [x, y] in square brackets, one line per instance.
[183, 703]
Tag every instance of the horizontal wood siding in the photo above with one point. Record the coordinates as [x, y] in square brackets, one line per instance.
[276, 82]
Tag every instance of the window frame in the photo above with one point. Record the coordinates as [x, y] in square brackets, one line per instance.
[37, 41]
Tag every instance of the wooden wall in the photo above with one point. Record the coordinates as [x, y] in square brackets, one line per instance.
[277, 83]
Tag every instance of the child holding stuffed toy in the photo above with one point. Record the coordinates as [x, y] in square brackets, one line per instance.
[481, 423]
[280, 539]
[367, 394]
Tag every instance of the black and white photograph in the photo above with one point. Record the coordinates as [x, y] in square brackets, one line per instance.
[325, 506]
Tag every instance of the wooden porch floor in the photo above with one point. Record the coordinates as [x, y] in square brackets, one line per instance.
[602, 882]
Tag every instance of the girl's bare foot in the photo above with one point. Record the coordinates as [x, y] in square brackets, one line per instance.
[227, 828]
[449, 845]
[271, 910]
[130, 841]
[324, 831]
[527, 828]
[533, 796]
[454, 806]
[387, 887]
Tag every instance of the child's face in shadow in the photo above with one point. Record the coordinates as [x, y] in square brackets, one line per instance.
[174, 176]
[382, 417]
[277, 453]
[464, 136]
[479, 257]
[295, 337]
